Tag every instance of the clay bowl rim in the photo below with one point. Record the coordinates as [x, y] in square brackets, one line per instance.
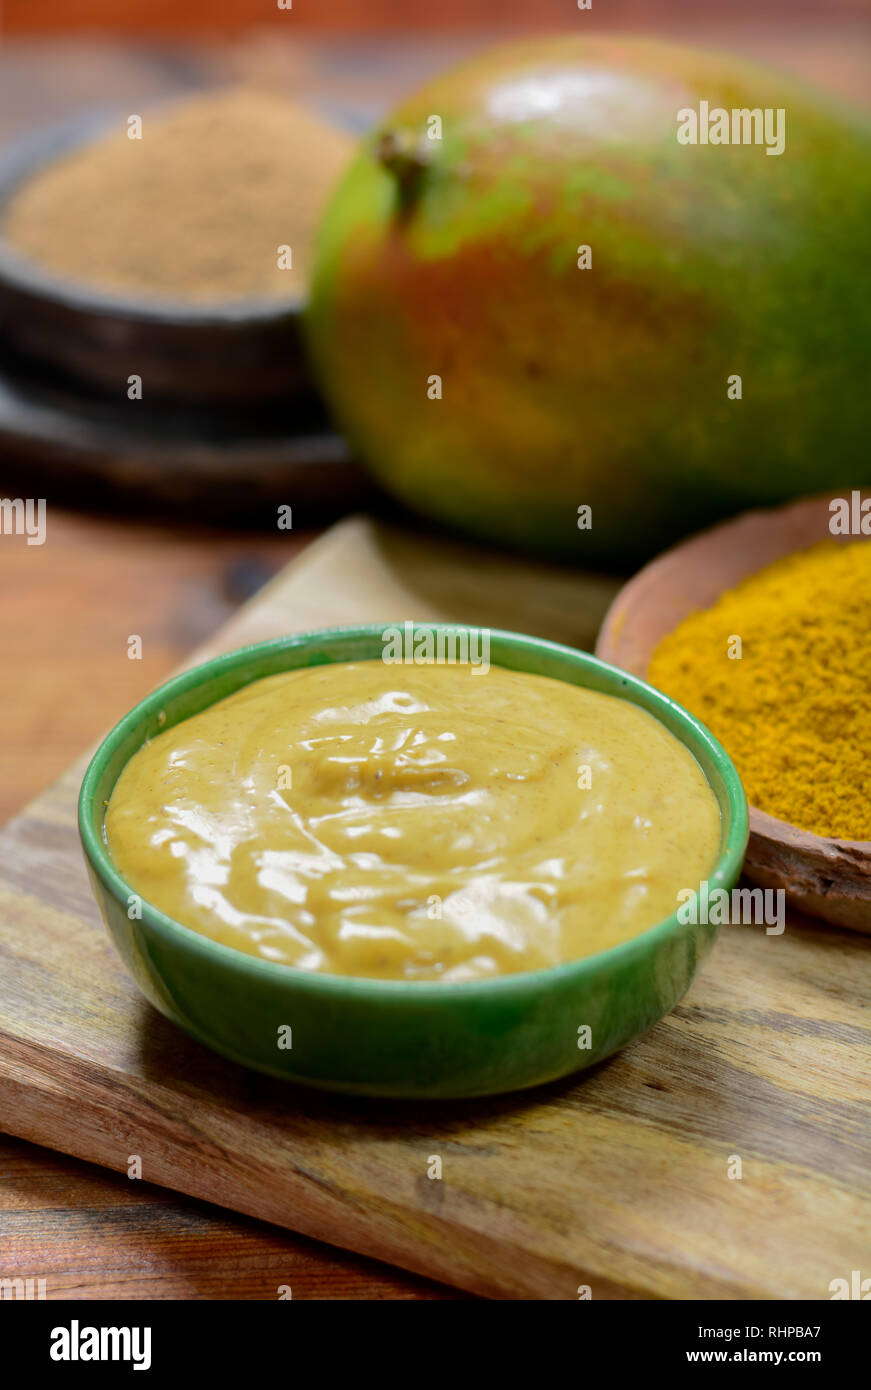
[26, 156]
[781, 521]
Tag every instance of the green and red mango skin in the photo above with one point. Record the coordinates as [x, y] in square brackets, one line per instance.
[608, 386]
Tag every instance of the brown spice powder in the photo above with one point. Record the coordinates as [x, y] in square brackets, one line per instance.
[195, 209]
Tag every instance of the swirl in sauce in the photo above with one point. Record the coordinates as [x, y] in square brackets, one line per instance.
[410, 822]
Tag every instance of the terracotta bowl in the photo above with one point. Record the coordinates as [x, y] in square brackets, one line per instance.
[823, 877]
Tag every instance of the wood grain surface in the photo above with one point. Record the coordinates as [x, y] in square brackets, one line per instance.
[91, 1234]
[618, 1180]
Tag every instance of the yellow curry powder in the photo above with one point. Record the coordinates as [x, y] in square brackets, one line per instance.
[794, 710]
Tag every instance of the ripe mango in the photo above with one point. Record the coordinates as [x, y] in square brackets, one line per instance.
[709, 349]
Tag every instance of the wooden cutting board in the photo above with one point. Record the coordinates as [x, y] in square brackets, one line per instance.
[619, 1180]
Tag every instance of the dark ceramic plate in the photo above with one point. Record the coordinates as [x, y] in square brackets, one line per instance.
[232, 461]
[248, 350]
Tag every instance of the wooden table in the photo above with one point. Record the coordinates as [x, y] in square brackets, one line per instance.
[64, 623]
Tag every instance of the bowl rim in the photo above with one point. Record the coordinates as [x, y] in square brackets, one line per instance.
[726, 867]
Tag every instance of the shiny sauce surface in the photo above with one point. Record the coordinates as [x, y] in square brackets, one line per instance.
[414, 822]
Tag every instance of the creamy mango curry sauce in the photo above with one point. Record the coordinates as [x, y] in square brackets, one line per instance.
[413, 823]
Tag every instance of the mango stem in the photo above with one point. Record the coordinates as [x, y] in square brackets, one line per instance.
[405, 157]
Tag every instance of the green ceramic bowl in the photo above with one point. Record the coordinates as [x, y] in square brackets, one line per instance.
[397, 1038]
